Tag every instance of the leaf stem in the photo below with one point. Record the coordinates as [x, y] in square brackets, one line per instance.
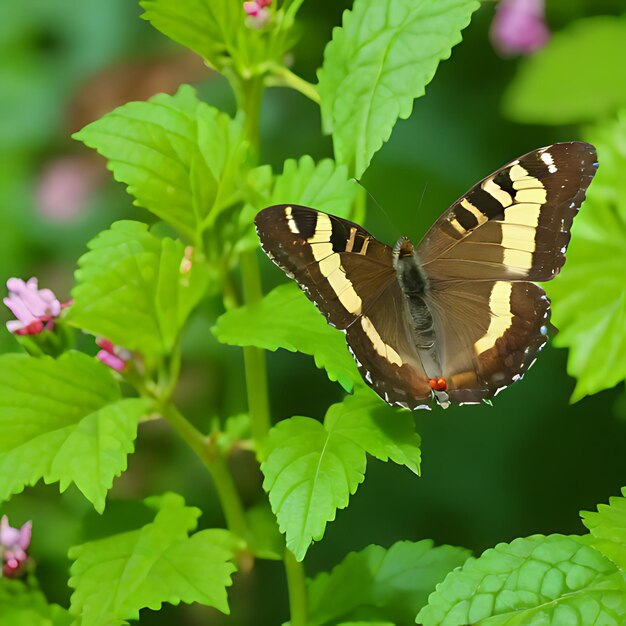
[284, 77]
[207, 451]
[297, 589]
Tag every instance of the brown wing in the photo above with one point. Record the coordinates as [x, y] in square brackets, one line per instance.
[383, 346]
[317, 250]
[511, 228]
[514, 224]
[488, 333]
[350, 277]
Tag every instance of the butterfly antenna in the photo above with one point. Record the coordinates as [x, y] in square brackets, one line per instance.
[379, 206]
[419, 206]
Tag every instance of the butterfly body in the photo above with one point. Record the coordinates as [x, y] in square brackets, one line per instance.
[458, 317]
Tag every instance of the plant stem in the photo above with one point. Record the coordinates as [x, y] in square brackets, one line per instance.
[207, 451]
[254, 358]
[297, 589]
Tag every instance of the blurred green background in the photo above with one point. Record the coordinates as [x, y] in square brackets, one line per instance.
[527, 465]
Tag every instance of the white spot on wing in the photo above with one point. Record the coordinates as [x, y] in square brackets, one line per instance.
[546, 157]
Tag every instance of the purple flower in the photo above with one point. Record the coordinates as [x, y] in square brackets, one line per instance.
[519, 27]
[258, 13]
[112, 355]
[35, 309]
[13, 545]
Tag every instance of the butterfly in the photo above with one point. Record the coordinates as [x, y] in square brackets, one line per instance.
[458, 317]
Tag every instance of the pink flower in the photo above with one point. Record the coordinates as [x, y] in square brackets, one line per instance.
[13, 545]
[112, 355]
[35, 309]
[65, 185]
[519, 27]
[258, 13]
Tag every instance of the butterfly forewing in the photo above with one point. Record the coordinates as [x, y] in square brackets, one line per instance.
[514, 224]
[337, 263]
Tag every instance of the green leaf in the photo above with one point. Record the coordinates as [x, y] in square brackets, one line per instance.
[116, 577]
[396, 581]
[312, 469]
[532, 581]
[589, 296]
[21, 605]
[382, 431]
[309, 473]
[324, 185]
[543, 93]
[136, 289]
[63, 420]
[210, 29]
[608, 527]
[217, 31]
[181, 159]
[377, 63]
[286, 319]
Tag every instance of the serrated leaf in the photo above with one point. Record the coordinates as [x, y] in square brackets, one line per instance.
[63, 420]
[21, 605]
[532, 581]
[396, 581]
[382, 431]
[608, 527]
[309, 473]
[312, 469]
[116, 577]
[544, 90]
[286, 319]
[135, 289]
[589, 296]
[324, 185]
[377, 63]
[180, 158]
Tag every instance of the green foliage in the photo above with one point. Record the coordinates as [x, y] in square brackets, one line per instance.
[589, 296]
[136, 289]
[181, 159]
[325, 186]
[218, 33]
[286, 319]
[312, 469]
[546, 91]
[533, 581]
[64, 421]
[114, 578]
[377, 63]
[608, 529]
[21, 605]
[392, 584]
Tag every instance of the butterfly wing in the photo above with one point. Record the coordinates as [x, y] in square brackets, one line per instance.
[480, 256]
[350, 277]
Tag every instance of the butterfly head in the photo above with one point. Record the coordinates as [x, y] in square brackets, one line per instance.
[403, 248]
